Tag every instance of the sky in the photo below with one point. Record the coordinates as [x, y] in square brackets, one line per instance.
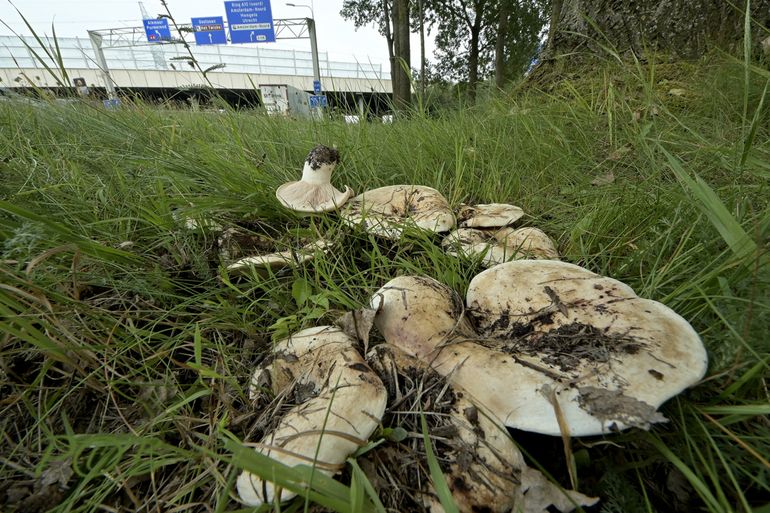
[74, 17]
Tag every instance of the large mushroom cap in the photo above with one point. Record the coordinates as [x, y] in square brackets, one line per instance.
[387, 210]
[340, 403]
[552, 331]
[498, 246]
[489, 215]
[314, 192]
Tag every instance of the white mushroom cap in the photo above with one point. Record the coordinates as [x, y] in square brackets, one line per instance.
[387, 210]
[417, 313]
[554, 331]
[498, 246]
[280, 259]
[314, 192]
[490, 215]
[347, 401]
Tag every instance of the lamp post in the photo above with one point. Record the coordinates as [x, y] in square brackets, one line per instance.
[313, 41]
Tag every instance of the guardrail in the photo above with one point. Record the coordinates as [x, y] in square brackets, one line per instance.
[76, 52]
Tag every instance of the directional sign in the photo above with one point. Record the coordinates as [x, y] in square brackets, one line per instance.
[250, 21]
[209, 31]
[113, 103]
[157, 30]
[318, 100]
[316, 86]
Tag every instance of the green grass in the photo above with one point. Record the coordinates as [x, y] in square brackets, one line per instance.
[126, 364]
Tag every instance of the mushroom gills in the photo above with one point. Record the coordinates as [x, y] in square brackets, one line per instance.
[280, 259]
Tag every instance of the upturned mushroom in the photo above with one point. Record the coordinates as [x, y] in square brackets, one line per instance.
[314, 192]
[502, 245]
[482, 466]
[340, 402]
[280, 259]
[388, 210]
[555, 348]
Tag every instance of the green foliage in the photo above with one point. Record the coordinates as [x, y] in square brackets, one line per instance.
[454, 22]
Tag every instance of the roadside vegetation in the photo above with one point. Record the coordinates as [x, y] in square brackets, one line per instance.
[126, 348]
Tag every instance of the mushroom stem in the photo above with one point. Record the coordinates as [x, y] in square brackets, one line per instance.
[320, 176]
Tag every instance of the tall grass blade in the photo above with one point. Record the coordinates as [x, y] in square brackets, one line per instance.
[437, 477]
[700, 487]
[707, 201]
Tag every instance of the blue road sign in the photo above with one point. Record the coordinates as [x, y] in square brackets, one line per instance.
[318, 100]
[157, 30]
[316, 86]
[250, 21]
[114, 103]
[209, 31]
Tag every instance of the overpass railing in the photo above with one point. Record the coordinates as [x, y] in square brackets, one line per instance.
[77, 53]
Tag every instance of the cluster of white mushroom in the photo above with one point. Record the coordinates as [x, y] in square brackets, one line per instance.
[538, 345]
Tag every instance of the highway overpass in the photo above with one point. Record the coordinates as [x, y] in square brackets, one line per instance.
[166, 70]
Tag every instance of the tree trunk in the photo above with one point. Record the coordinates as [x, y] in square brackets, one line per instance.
[473, 57]
[402, 88]
[422, 50]
[389, 41]
[679, 28]
[502, 34]
[473, 65]
[553, 26]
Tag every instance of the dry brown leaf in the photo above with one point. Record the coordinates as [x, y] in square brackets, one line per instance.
[604, 179]
[358, 324]
[540, 494]
[57, 472]
[613, 404]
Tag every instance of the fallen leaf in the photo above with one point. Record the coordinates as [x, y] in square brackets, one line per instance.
[614, 406]
[541, 495]
[677, 92]
[680, 488]
[604, 179]
[619, 152]
[57, 472]
[358, 324]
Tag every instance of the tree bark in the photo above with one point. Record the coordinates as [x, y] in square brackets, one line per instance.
[502, 34]
[473, 56]
[402, 87]
[422, 50]
[679, 28]
[389, 40]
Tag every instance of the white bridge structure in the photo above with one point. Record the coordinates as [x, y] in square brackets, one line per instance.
[130, 63]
